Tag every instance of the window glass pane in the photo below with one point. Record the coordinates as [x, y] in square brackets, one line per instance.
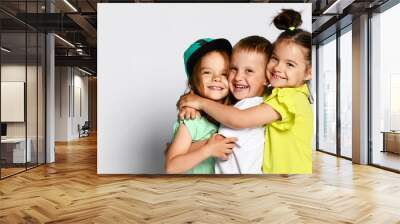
[32, 95]
[14, 153]
[327, 96]
[22, 89]
[385, 84]
[346, 94]
[41, 98]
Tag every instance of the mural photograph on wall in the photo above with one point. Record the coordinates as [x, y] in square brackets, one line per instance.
[219, 88]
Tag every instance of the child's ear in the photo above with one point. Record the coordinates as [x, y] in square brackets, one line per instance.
[308, 73]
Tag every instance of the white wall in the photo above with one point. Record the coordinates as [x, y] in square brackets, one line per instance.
[141, 71]
[68, 80]
[61, 103]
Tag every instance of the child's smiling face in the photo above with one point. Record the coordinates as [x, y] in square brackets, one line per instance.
[288, 66]
[212, 72]
[247, 74]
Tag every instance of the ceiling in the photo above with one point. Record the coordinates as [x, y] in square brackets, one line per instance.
[76, 22]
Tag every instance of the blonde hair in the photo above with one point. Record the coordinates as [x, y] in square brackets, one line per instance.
[256, 44]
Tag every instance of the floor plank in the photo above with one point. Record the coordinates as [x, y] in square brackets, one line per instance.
[70, 191]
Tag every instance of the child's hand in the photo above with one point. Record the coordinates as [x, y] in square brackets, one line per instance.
[220, 147]
[188, 113]
[190, 100]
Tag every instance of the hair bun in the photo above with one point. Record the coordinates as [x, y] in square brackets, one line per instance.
[287, 18]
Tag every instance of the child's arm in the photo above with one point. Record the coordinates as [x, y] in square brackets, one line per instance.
[180, 158]
[188, 113]
[193, 147]
[197, 145]
[231, 116]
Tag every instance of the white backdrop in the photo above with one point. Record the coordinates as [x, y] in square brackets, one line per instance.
[141, 73]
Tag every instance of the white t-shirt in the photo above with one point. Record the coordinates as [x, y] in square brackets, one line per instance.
[247, 155]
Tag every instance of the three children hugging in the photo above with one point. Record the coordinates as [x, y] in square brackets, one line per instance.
[253, 99]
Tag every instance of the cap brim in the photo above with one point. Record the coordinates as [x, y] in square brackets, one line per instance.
[217, 44]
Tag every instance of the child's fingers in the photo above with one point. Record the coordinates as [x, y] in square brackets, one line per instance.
[230, 146]
[181, 113]
[180, 104]
[219, 137]
[193, 114]
[229, 140]
[198, 114]
[228, 151]
[187, 116]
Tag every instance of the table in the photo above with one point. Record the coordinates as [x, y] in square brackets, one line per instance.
[391, 141]
[15, 148]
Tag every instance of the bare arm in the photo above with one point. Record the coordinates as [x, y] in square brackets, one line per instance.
[193, 147]
[197, 145]
[231, 116]
[178, 158]
[181, 158]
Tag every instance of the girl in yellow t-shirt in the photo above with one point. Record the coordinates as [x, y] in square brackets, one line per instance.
[287, 110]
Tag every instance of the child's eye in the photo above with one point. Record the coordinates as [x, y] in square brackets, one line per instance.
[290, 65]
[249, 71]
[233, 70]
[206, 72]
[273, 58]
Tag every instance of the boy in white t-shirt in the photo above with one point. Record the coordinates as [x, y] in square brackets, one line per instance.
[247, 83]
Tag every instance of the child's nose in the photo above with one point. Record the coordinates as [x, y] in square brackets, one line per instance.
[277, 67]
[239, 76]
[217, 78]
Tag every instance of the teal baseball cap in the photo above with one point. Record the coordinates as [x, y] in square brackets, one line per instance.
[201, 47]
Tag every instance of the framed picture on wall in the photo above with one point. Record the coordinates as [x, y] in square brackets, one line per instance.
[224, 53]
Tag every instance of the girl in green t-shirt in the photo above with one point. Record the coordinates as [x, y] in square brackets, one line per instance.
[287, 110]
[207, 65]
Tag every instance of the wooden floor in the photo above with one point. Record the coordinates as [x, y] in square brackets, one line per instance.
[387, 159]
[5, 172]
[70, 191]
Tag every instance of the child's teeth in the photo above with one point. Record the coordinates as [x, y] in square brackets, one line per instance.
[277, 77]
[241, 86]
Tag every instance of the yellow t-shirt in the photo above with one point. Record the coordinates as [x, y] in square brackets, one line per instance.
[288, 141]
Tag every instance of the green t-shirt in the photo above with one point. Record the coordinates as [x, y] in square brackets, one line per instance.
[199, 129]
[288, 141]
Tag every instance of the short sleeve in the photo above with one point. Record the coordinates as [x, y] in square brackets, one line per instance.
[188, 123]
[283, 101]
[199, 128]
